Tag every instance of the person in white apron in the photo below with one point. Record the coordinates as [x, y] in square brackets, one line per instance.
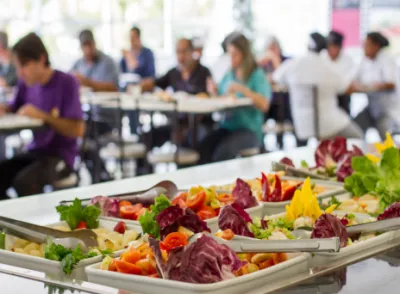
[376, 76]
[341, 61]
[313, 70]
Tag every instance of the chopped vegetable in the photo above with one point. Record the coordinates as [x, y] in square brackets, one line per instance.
[124, 203]
[160, 203]
[108, 206]
[328, 226]
[196, 201]
[287, 161]
[120, 227]
[127, 268]
[130, 211]
[329, 152]
[304, 164]
[381, 179]
[76, 213]
[81, 225]
[231, 219]
[174, 240]
[392, 211]
[2, 240]
[243, 196]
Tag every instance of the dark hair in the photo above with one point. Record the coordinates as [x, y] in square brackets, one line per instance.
[3, 40]
[137, 30]
[227, 39]
[378, 39]
[30, 48]
[189, 41]
[249, 63]
[335, 38]
[317, 42]
[86, 36]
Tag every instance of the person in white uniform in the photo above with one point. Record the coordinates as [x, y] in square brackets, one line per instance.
[341, 61]
[376, 76]
[301, 75]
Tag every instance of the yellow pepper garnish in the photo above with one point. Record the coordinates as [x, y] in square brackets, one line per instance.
[305, 204]
[380, 147]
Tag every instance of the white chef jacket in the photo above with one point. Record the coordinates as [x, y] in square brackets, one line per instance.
[343, 63]
[382, 69]
[300, 75]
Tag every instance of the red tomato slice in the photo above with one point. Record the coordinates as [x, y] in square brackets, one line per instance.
[124, 203]
[206, 212]
[120, 227]
[113, 266]
[196, 201]
[174, 240]
[130, 212]
[127, 268]
[146, 266]
[82, 225]
[225, 198]
[131, 256]
[180, 200]
[267, 263]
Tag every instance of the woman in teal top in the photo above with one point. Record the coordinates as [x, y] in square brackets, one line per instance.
[242, 127]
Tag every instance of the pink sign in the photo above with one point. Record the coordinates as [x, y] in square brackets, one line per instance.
[347, 21]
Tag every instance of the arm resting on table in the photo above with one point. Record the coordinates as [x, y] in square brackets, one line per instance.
[102, 86]
[73, 128]
[259, 101]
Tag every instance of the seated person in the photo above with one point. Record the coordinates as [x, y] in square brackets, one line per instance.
[95, 69]
[189, 76]
[242, 128]
[52, 96]
[8, 74]
[304, 73]
[138, 60]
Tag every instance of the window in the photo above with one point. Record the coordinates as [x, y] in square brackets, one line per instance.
[290, 21]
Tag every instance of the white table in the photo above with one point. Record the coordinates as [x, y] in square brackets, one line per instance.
[10, 123]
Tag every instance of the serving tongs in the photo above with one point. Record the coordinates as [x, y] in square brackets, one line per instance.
[34, 233]
[245, 244]
[145, 197]
[372, 227]
[296, 172]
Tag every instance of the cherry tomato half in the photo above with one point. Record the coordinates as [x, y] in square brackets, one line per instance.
[130, 212]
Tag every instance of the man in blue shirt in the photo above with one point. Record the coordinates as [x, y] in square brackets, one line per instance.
[138, 60]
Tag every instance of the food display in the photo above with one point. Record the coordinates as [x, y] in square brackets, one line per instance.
[76, 217]
[273, 187]
[367, 204]
[205, 202]
[332, 159]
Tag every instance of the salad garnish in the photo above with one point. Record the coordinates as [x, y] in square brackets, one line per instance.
[233, 217]
[380, 147]
[243, 195]
[391, 211]
[381, 179]
[86, 217]
[328, 226]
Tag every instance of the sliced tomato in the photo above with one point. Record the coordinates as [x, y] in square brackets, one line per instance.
[130, 212]
[154, 276]
[82, 225]
[279, 257]
[113, 266]
[206, 212]
[124, 203]
[127, 268]
[141, 212]
[180, 200]
[146, 266]
[194, 202]
[174, 240]
[225, 198]
[131, 256]
[120, 227]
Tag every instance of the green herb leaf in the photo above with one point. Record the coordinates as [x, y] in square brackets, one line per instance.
[90, 215]
[304, 164]
[382, 180]
[149, 224]
[160, 203]
[2, 240]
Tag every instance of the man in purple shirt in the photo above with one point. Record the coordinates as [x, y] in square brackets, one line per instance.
[52, 96]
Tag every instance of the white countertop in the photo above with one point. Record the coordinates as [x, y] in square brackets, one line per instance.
[41, 208]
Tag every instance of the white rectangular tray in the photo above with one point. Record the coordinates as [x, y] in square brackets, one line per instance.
[53, 268]
[270, 208]
[243, 284]
[212, 223]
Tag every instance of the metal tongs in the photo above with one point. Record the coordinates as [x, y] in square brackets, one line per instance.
[39, 234]
[245, 244]
[377, 226]
[296, 172]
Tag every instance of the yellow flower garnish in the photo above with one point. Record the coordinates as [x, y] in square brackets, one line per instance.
[304, 203]
[380, 147]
